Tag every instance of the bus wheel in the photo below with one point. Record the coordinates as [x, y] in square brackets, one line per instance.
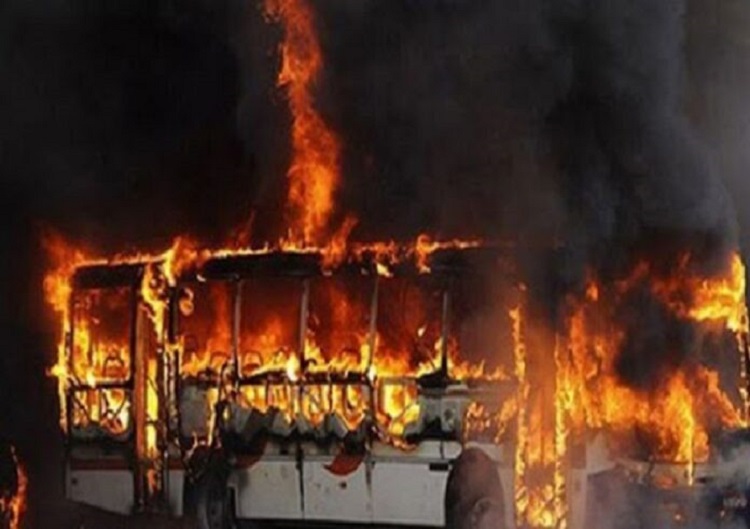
[474, 494]
[208, 501]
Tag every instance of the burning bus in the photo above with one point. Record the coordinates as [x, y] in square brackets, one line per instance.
[387, 384]
[272, 386]
[419, 384]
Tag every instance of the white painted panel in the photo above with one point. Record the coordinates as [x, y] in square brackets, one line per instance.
[111, 490]
[268, 490]
[497, 453]
[176, 485]
[577, 489]
[336, 498]
[426, 450]
[507, 481]
[408, 493]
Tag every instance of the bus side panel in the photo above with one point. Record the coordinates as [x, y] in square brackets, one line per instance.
[409, 492]
[507, 480]
[329, 497]
[176, 487]
[107, 489]
[268, 489]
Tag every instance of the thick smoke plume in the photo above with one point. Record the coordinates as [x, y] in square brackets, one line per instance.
[554, 121]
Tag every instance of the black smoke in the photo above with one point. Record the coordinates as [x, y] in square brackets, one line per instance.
[557, 121]
[566, 124]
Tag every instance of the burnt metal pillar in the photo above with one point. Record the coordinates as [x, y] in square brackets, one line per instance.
[744, 389]
[373, 329]
[173, 361]
[69, 361]
[303, 315]
[140, 385]
[166, 392]
[444, 333]
[236, 325]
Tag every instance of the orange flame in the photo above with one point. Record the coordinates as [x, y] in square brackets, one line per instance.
[676, 418]
[12, 508]
[57, 291]
[110, 410]
[313, 174]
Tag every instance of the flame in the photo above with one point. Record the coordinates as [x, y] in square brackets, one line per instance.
[519, 354]
[13, 507]
[425, 246]
[539, 480]
[269, 345]
[562, 392]
[702, 299]
[85, 357]
[677, 417]
[57, 290]
[314, 170]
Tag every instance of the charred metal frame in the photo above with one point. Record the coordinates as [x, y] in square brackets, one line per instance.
[271, 379]
[236, 320]
[447, 264]
[305, 267]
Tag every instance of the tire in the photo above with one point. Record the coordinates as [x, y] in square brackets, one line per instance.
[474, 494]
[207, 499]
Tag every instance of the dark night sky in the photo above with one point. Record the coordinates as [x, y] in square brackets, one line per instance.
[125, 122]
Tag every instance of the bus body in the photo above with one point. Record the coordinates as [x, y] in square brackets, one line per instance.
[247, 392]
